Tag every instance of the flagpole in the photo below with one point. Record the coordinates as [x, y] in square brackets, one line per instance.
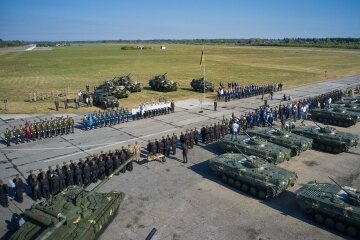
[204, 74]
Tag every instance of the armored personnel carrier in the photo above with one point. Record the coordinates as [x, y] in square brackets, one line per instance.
[162, 84]
[335, 116]
[72, 214]
[115, 90]
[331, 204]
[296, 143]
[127, 81]
[327, 138]
[104, 99]
[198, 85]
[252, 174]
[256, 146]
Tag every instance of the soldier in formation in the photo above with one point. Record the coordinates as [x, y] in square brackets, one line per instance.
[4, 194]
[106, 118]
[33, 131]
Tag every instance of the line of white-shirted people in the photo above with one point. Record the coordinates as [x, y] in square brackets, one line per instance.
[151, 109]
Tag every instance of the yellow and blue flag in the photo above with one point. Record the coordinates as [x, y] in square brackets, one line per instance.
[202, 59]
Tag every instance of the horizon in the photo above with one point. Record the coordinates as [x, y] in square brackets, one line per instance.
[85, 20]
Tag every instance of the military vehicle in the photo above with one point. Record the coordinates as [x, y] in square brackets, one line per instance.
[104, 99]
[331, 204]
[127, 81]
[256, 146]
[162, 84]
[198, 85]
[335, 116]
[72, 214]
[116, 91]
[350, 107]
[327, 138]
[252, 174]
[296, 143]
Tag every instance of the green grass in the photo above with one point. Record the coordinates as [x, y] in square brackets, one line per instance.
[75, 66]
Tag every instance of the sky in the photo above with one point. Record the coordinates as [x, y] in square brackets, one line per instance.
[49, 20]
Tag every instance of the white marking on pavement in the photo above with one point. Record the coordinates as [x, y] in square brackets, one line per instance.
[107, 145]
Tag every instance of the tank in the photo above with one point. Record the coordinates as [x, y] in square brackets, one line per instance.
[72, 214]
[335, 116]
[327, 138]
[162, 84]
[256, 146]
[332, 205]
[252, 174]
[296, 143]
[127, 81]
[198, 85]
[350, 107]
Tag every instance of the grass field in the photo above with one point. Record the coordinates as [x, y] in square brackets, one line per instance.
[75, 66]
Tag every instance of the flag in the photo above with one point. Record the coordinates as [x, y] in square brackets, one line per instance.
[202, 57]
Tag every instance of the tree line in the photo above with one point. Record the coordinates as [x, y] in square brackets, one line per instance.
[347, 43]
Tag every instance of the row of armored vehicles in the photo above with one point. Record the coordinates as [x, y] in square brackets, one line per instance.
[250, 165]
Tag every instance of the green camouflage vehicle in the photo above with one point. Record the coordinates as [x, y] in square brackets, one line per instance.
[350, 107]
[162, 84]
[198, 85]
[73, 214]
[104, 99]
[335, 116]
[256, 146]
[127, 81]
[327, 138]
[331, 204]
[296, 143]
[252, 174]
[116, 91]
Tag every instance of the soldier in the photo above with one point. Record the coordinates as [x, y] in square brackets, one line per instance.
[94, 170]
[57, 104]
[72, 124]
[137, 151]
[47, 128]
[109, 165]
[116, 161]
[35, 186]
[7, 137]
[167, 146]
[30, 179]
[78, 176]
[184, 152]
[192, 139]
[129, 154]
[32, 128]
[86, 174]
[69, 174]
[4, 194]
[19, 135]
[123, 158]
[19, 188]
[173, 143]
[202, 132]
[196, 139]
[62, 178]
[101, 165]
[44, 185]
[182, 138]
[187, 138]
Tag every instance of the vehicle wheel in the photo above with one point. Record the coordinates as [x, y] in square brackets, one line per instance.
[231, 182]
[237, 184]
[261, 194]
[340, 226]
[329, 222]
[244, 187]
[319, 218]
[253, 191]
[352, 231]
[224, 178]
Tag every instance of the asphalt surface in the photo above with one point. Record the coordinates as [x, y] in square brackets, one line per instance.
[186, 201]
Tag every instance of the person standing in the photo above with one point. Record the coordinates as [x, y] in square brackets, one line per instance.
[185, 152]
[173, 143]
[215, 105]
[4, 194]
[57, 104]
[7, 136]
[234, 131]
[19, 188]
[172, 105]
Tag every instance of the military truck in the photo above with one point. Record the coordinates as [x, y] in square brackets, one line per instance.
[198, 85]
[335, 116]
[162, 84]
[255, 146]
[104, 99]
[252, 174]
[332, 205]
[296, 143]
[73, 214]
[327, 138]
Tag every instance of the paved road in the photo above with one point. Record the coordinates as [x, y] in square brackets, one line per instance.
[182, 201]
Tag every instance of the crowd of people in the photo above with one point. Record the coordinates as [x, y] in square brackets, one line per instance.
[146, 110]
[81, 173]
[105, 118]
[32, 131]
[236, 91]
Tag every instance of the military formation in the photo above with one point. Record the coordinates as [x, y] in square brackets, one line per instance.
[32, 131]
[105, 118]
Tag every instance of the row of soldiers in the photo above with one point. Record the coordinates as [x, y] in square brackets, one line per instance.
[105, 118]
[214, 132]
[165, 145]
[82, 173]
[32, 131]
